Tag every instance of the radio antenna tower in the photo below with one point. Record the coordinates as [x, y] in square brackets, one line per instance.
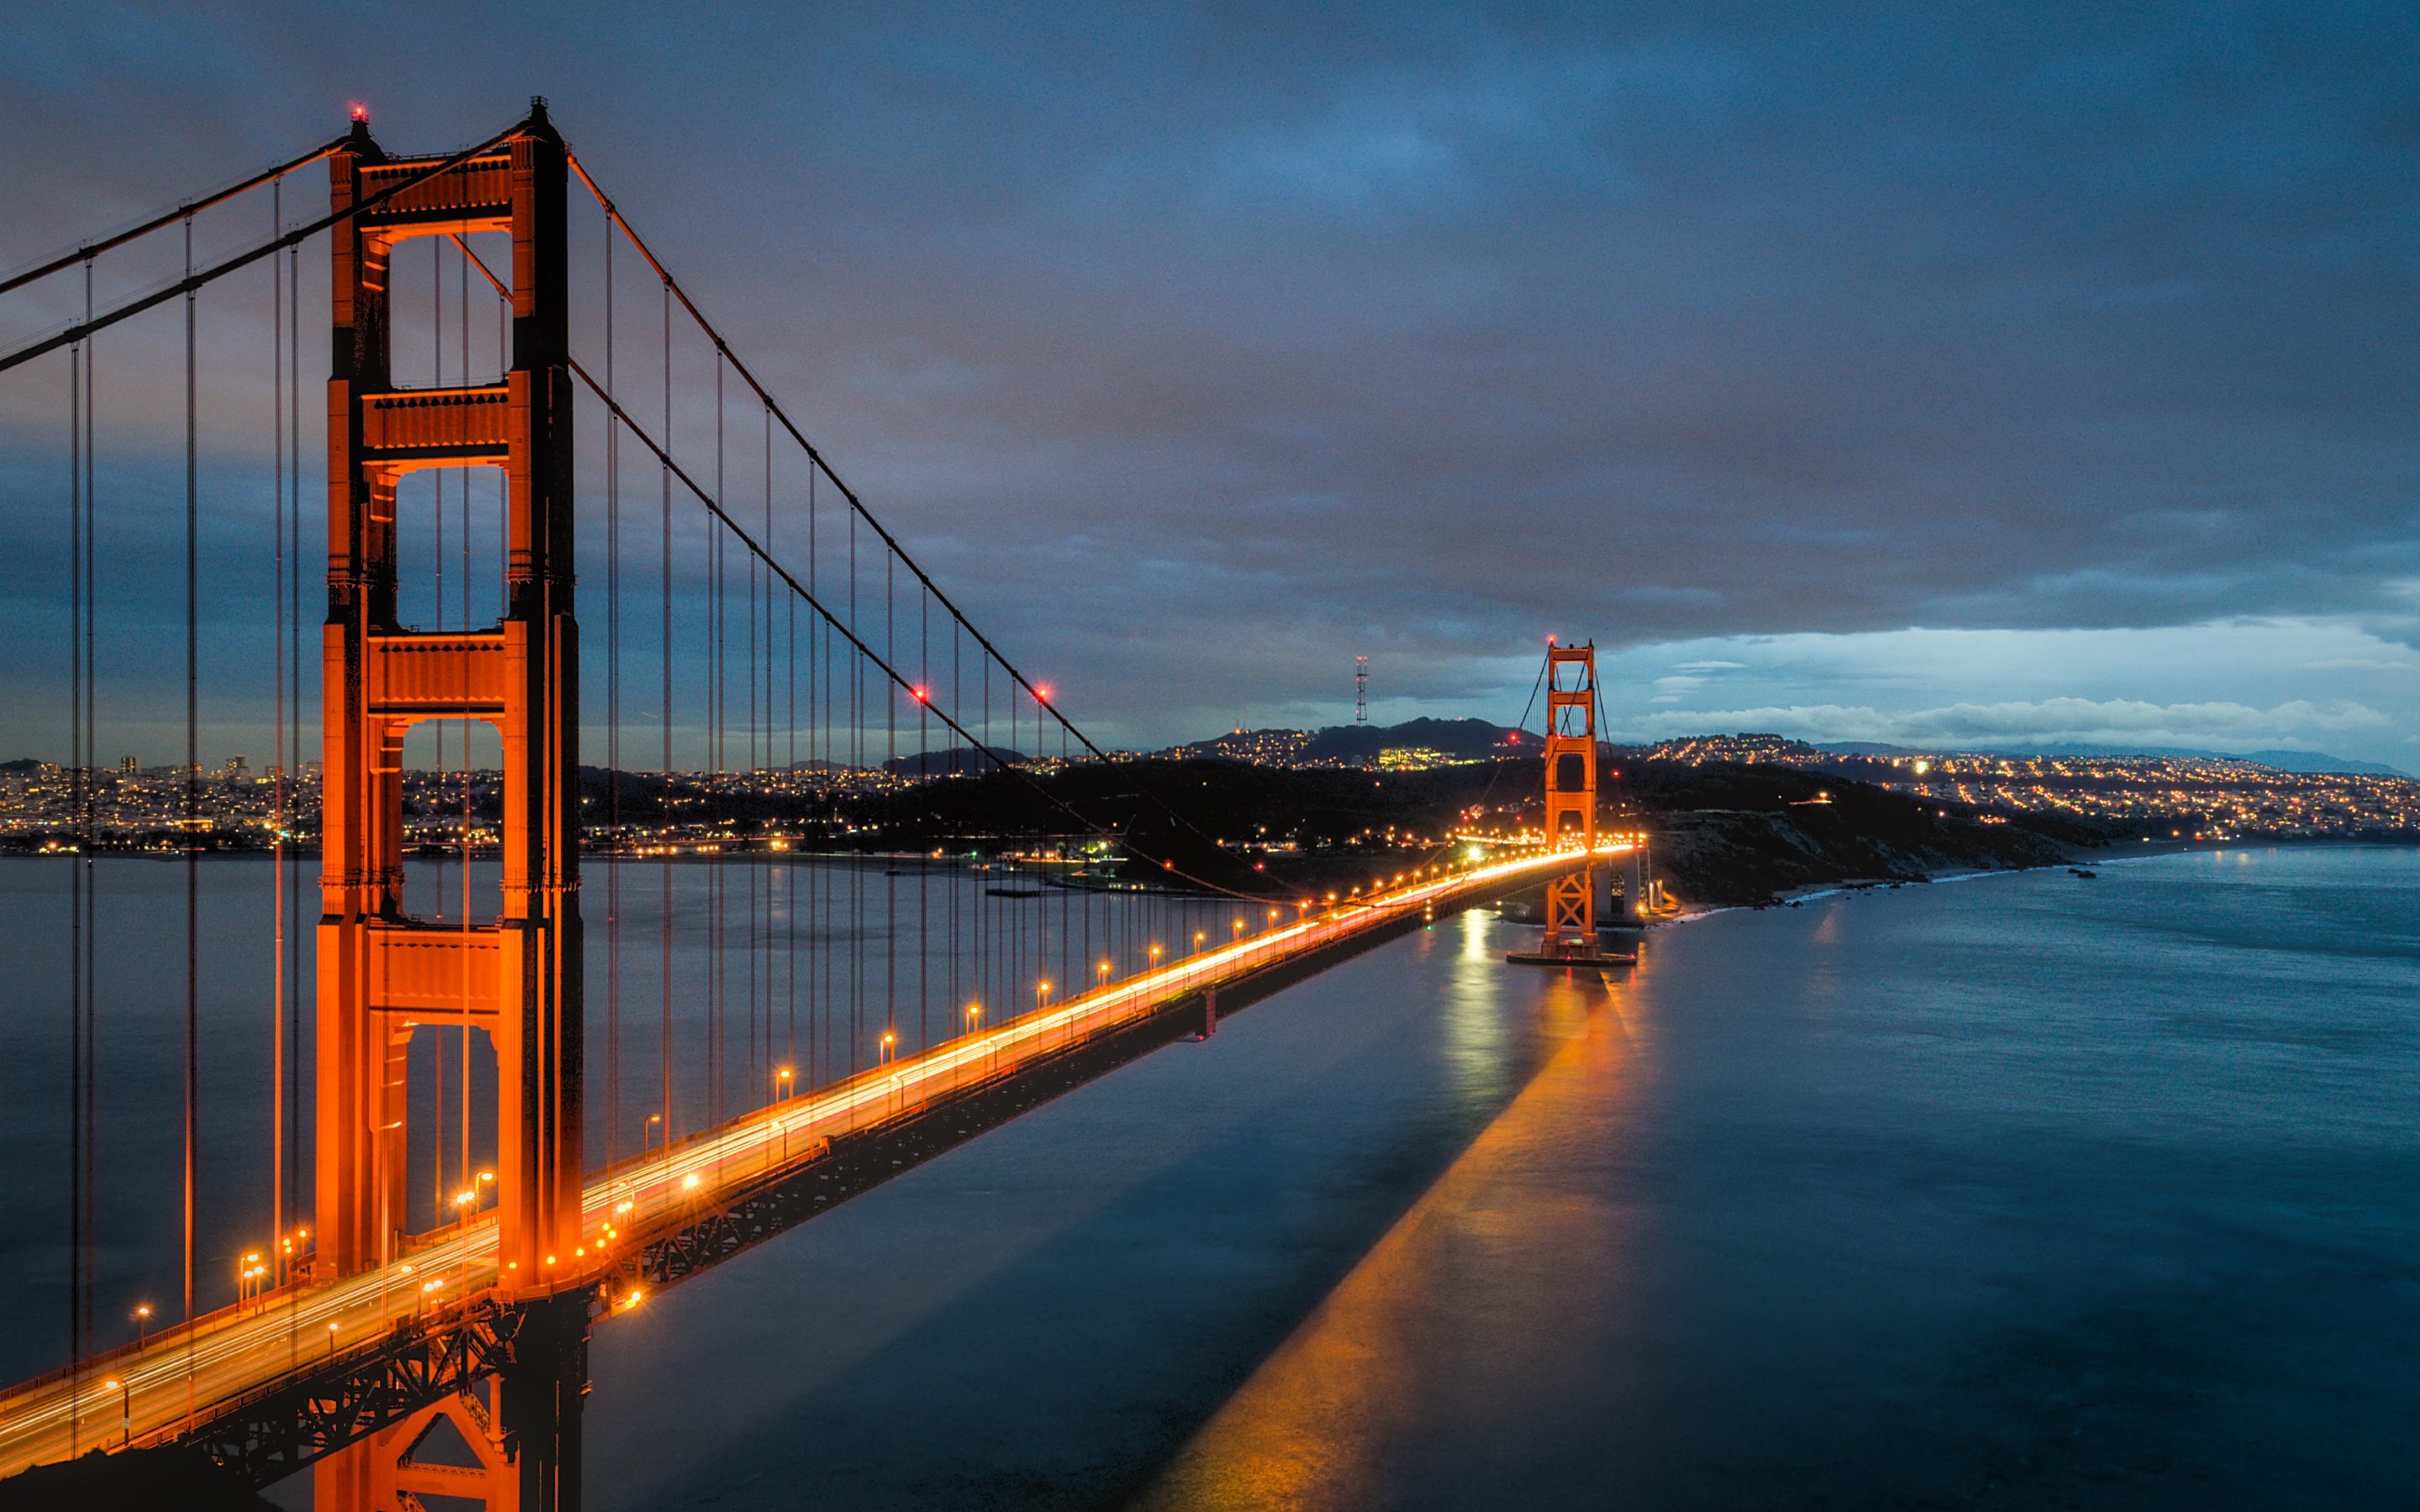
[1360, 690]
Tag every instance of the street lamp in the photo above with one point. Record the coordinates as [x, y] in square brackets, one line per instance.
[647, 1132]
[1105, 972]
[889, 1039]
[141, 1323]
[1155, 958]
[781, 1079]
[974, 1015]
[1198, 937]
[285, 1252]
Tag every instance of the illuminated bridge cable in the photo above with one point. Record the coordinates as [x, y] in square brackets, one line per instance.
[857, 505]
[896, 681]
[857, 512]
[191, 281]
[160, 222]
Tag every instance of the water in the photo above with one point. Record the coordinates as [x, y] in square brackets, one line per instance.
[2019, 1192]
[782, 963]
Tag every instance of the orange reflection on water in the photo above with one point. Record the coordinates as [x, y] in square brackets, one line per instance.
[1433, 1316]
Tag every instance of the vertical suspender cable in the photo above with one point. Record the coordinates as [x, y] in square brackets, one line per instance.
[925, 777]
[717, 809]
[952, 877]
[437, 622]
[612, 733]
[663, 861]
[818, 880]
[192, 807]
[294, 707]
[856, 766]
[86, 869]
[462, 1031]
[790, 876]
[750, 936]
[890, 761]
[766, 760]
[277, 798]
[76, 765]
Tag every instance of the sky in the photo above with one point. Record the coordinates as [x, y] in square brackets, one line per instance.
[1932, 374]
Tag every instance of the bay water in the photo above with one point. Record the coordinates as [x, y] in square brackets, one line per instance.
[2020, 1191]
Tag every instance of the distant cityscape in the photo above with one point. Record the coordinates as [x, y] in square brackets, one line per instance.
[237, 806]
[2197, 798]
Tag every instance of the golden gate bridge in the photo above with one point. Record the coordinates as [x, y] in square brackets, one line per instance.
[448, 1210]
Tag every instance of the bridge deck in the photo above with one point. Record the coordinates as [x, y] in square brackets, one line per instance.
[184, 1376]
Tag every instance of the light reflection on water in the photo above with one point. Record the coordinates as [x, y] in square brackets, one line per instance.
[1474, 1026]
[2025, 1192]
[1439, 1300]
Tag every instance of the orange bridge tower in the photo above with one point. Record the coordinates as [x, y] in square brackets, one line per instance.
[1570, 794]
[1570, 935]
[381, 973]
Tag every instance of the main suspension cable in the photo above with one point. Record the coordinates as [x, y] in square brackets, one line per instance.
[193, 281]
[821, 463]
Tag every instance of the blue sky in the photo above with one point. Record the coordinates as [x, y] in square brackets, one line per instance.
[1892, 373]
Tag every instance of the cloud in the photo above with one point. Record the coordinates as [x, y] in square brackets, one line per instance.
[1297, 332]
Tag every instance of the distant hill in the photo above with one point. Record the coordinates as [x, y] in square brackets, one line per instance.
[1469, 739]
[960, 761]
[1356, 745]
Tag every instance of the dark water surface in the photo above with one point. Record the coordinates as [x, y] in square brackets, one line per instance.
[783, 961]
[2020, 1192]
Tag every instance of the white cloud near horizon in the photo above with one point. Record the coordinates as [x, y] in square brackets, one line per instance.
[2332, 684]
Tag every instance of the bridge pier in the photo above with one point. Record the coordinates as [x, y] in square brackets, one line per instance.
[510, 1441]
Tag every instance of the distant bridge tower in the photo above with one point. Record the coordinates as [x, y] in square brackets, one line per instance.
[1570, 794]
[1360, 690]
[380, 972]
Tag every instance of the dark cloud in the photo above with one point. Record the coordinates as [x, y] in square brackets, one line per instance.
[1205, 348]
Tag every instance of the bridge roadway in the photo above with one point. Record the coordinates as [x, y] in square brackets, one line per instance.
[182, 1375]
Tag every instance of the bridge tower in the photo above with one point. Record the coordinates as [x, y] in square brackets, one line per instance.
[382, 972]
[1570, 794]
